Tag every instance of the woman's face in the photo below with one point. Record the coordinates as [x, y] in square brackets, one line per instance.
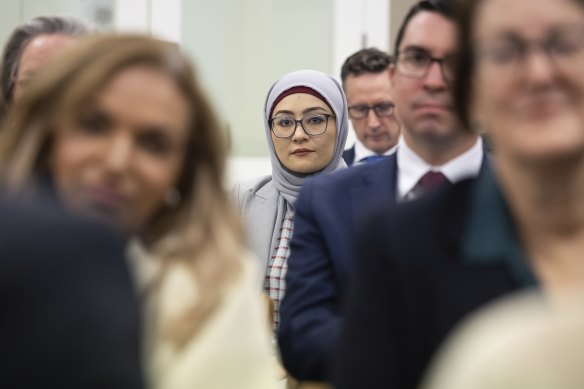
[304, 153]
[529, 79]
[121, 156]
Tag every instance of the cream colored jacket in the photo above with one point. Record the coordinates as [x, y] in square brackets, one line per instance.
[231, 351]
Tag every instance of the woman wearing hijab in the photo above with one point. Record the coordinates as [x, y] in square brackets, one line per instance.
[306, 125]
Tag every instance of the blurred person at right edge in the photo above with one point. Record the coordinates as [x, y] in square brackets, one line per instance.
[436, 151]
[426, 265]
[120, 130]
[518, 341]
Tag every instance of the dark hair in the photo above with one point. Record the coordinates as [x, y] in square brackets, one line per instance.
[371, 60]
[465, 62]
[442, 7]
[21, 37]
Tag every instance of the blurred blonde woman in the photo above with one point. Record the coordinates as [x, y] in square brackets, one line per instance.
[120, 129]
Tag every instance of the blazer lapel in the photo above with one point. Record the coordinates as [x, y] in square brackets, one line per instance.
[375, 185]
[262, 211]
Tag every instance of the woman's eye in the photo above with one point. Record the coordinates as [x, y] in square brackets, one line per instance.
[504, 54]
[155, 143]
[285, 122]
[93, 124]
[316, 119]
[564, 45]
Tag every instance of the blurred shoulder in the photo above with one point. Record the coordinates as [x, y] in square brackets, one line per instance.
[261, 184]
[368, 172]
[51, 226]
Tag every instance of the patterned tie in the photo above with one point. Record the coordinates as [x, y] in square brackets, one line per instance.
[372, 158]
[430, 181]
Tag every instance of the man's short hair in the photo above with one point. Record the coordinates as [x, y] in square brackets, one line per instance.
[442, 7]
[21, 37]
[364, 61]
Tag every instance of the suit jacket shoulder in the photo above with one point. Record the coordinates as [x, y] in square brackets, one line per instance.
[261, 187]
[257, 201]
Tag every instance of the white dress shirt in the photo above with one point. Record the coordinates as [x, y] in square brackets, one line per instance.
[411, 167]
[363, 152]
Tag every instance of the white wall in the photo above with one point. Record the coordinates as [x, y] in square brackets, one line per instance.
[358, 25]
[160, 18]
[241, 46]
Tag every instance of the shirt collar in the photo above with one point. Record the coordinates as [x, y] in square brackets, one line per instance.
[362, 152]
[411, 167]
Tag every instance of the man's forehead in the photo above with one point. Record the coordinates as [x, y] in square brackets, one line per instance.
[432, 32]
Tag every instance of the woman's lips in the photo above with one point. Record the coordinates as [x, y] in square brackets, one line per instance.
[106, 198]
[302, 152]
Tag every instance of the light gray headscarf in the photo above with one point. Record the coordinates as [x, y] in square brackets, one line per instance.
[289, 184]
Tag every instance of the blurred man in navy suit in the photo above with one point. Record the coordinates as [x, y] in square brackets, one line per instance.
[436, 150]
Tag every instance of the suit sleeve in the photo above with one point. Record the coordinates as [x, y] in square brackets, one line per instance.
[309, 315]
[373, 344]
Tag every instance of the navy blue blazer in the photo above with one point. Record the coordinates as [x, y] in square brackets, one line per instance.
[425, 265]
[328, 209]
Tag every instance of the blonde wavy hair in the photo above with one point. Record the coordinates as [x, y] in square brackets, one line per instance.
[204, 230]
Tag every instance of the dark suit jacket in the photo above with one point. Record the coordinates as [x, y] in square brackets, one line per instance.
[349, 156]
[415, 282]
[320, 264]
[68, 313]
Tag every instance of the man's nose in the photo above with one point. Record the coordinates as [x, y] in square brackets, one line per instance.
[435, 77]
[372, 119]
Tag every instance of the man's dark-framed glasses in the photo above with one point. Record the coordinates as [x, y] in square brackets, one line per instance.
[285, 126]
[361, 111]
[415, 63]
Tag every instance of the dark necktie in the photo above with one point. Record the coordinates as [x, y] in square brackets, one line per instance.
[372, 158]
[430, 181]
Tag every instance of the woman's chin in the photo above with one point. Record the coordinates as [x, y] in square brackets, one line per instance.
[545, 141]
[553, 152]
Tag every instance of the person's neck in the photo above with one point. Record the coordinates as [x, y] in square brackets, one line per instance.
[546, 201]
[438, 153]
[546, 198]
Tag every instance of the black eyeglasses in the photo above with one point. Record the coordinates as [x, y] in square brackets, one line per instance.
[416, 63]
[285, 126]
[361, 111]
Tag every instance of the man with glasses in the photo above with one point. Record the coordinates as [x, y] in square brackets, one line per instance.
[371, 108]
[436, 150]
